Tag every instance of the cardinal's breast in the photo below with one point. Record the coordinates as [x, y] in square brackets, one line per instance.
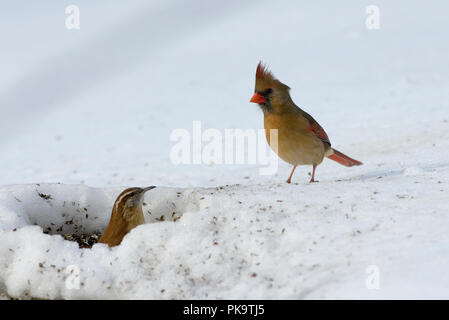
[294, 143]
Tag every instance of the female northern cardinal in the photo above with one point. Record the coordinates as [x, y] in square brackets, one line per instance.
[301, 140]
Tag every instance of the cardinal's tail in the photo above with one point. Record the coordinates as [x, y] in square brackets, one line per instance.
[343, 159]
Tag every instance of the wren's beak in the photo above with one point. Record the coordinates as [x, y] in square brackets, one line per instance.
[138, 199]
[147, 189]
[258, 98]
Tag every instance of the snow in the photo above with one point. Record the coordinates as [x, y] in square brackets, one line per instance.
[87, 113]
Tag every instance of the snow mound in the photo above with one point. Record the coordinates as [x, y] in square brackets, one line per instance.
[37, 261]
[231, 242]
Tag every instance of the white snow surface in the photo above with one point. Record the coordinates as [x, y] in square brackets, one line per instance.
[87, 113]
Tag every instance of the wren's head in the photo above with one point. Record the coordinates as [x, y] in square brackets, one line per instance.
[131, 197]
[271, 94]
[126, 215]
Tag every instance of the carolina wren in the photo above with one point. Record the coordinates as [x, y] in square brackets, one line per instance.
[126, 214]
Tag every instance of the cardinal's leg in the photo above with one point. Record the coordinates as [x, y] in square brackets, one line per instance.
[291, 174]
[313, 174]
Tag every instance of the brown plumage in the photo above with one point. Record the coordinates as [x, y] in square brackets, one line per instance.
[126, 214]
[301, 140]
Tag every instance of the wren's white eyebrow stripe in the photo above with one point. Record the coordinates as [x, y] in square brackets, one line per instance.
[122, 196]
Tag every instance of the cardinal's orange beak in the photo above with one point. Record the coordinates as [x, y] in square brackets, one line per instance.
[258, 98]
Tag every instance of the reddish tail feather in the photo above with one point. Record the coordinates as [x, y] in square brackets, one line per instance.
[343, 159]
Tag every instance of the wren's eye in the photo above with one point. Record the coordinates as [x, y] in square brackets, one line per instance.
[133, 194]
[267, 92]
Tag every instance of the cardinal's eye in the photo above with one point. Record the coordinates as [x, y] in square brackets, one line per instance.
[267, 92]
